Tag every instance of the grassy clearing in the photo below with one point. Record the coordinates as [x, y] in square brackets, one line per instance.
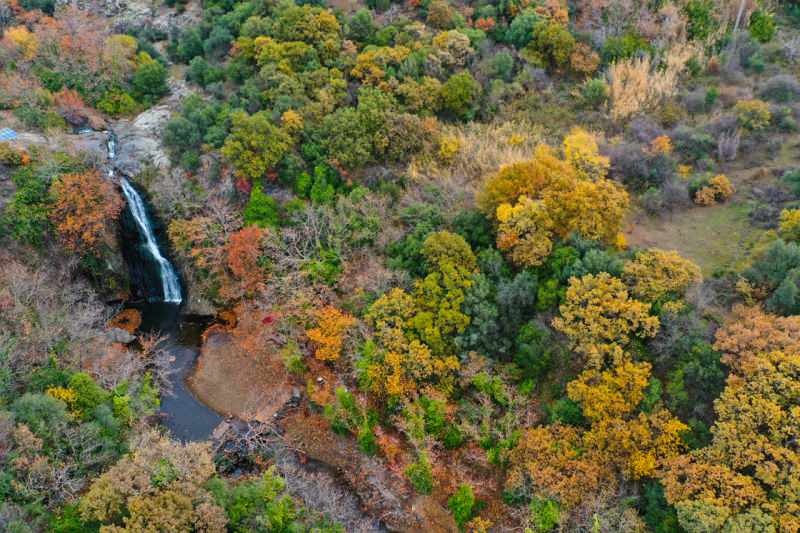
[716, 238]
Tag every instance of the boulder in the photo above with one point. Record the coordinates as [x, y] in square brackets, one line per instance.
[119, 335]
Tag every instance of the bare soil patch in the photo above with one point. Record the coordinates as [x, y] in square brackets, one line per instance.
[235, 382]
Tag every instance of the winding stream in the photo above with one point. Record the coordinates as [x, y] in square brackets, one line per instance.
[158, 296]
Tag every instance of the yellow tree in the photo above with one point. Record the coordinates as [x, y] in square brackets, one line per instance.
[397, 363]
[790, 225]
[439, 295]
[593, 209]
[748, 474]
[528, 178]
[525, 231]
[159, 486]
[553, 461]
[581, 151]
[547, 198]
[654, 275]
[328, 335]
[612, 393]
[601, 319]
[414, 333]
[20, 39]
[636, 442]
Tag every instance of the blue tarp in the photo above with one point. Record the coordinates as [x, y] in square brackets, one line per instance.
[7, 134]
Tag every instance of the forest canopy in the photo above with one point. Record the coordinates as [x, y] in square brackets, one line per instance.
[444, 265]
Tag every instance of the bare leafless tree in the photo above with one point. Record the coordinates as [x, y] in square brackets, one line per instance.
[728, 145]
[158, 360]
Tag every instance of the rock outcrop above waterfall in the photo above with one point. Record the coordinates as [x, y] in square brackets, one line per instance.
[140, 141]
[92, 144]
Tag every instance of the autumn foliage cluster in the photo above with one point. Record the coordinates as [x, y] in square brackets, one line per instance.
[464, 255]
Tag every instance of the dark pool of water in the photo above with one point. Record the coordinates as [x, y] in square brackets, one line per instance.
[186, 417]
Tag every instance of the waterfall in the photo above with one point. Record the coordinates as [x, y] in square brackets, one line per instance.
[170, 284]
[169, 279]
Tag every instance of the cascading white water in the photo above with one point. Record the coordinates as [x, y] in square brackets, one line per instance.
[169, 279]
[170, 284]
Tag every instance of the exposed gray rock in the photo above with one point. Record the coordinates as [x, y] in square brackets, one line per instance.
[128, 15]
[119, 335]
[140, 141]
[195, 304]
[91, 144]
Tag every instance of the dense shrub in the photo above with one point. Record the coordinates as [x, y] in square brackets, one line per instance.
[461, 96]
[781, 88]
[777, 271]
[701, 18]
[47, 6]
[420, 475]
[261, 209]
[187, 46]
[203, 73]
[638, 168]
[361, 26]
[462, 504]
[762, 25]
[117, 103]
[595, 93]
[707, 190]
[545, 514]
[792, 179]
[624, 47]
[150, 79]
[752, 115]
[535, 352]
[692, 144]
[26, 217]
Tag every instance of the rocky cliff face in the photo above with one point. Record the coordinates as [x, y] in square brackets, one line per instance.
[140, 141]
[140, 14]
[139, 138]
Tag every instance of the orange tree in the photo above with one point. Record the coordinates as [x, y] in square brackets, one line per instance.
[328, 335]
[84, 209]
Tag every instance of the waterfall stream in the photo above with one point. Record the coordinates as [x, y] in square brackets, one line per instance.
[170, 283]
[169, 279]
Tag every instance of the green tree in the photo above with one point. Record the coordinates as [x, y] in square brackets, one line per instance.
[26, 217]
[150, 79]
[521, 30]
[552, 45]
[462, 504]
[461, 96]
[255, 144]
[420, 474]
[762, 26]
[261, 209]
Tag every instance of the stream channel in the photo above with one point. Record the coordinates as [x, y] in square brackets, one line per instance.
[158, 295]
